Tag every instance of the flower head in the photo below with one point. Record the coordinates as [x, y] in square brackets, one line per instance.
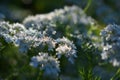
[67, 48]
[48, 64]
[111, 44]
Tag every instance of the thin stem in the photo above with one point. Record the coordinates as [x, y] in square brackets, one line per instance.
[88, 5]
[117, 75]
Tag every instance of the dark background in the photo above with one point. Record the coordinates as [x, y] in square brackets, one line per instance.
[103, 11]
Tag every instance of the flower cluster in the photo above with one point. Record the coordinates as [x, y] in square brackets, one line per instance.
[111, 44]
[4, 31]
[69, 18]
[48, 64]
[55, 36]
[67, 48]
[40, 37]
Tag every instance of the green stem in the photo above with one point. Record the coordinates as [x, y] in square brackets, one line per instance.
[88, 5]
[40, 75]
[117, 75]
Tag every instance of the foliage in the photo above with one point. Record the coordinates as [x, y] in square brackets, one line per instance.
[60, 45]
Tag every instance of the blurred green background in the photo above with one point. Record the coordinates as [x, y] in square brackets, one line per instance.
[104, 11]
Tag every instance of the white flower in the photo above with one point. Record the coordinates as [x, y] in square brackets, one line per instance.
[16, 28]
[44, 42]
[67, 48]
[48, 64]
[4, 27]
[4, 31]
[49, 42]
[115, 62]
[62, 49]
[69, 17]
[111, 44]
